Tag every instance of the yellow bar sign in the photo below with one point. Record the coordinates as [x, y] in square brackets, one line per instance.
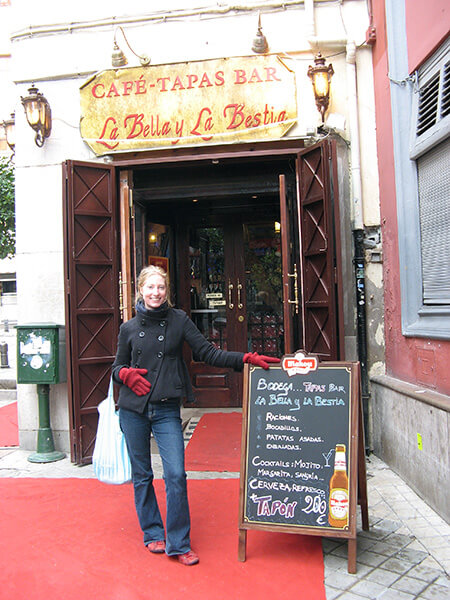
[216, 101]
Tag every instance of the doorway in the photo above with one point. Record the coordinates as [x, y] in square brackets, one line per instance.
[219, 231]
[108, 212]
[225, 271]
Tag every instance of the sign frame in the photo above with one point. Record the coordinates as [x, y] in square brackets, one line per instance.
[356, 461]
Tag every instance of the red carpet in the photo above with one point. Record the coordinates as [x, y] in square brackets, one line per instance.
[78, 539]
[9, 431]
[216, 443]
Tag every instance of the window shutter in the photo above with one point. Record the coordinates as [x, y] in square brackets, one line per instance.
[445, 102]
[433, 170]
[428, 105]
[431, 103]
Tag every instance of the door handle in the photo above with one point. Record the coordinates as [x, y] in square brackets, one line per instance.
[230, 292]
[120, 295]
[239, 288]
[295, 301]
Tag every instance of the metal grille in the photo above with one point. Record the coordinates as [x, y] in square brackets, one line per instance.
[433, 170]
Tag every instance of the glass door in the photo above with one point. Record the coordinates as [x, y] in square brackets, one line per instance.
[264, 291]
[212, 307]
[208, 283]
[235, 300]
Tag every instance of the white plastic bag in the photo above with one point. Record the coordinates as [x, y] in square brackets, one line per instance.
[110, 459]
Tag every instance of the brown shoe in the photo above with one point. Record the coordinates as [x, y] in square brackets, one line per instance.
[188, 559]
[158, 547]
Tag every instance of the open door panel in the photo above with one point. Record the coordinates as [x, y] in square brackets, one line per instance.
[317, 214]
[92, 292]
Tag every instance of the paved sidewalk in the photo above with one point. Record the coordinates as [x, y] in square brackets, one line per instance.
[404, 556]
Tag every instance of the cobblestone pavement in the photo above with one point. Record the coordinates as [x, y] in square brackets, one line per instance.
[405, 555]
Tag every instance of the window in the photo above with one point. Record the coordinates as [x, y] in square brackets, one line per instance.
[430, 148]
[420, 105]
[8, 286]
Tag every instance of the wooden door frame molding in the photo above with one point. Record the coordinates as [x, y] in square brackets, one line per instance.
[286, 268]
[125, 199]
[186, 155]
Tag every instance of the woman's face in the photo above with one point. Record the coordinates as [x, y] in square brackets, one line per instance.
[154, 291]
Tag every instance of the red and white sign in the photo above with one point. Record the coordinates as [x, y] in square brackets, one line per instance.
[299, 364]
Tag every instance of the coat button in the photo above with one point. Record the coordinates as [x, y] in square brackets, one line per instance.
[142, 322]
[139, 351]
[141, 334]
[162, 323]
[160, 338]
[160, 355]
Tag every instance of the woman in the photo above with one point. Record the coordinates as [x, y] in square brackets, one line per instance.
[154, 378]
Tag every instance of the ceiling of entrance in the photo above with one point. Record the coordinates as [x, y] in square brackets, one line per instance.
[212, 186]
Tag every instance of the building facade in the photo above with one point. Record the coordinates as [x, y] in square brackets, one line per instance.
[214, 161]
[410, 401]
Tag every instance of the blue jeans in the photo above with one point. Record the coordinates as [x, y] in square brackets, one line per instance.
[163, 420]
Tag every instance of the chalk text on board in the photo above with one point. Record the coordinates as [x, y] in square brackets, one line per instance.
[272, 417]
[274, 386]
[268, 508]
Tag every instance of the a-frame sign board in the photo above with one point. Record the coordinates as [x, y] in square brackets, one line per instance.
[302, 460]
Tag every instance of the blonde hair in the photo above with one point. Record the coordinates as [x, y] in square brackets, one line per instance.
[148, 272]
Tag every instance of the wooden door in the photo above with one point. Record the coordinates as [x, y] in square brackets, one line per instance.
[318, 217]
[92, 293]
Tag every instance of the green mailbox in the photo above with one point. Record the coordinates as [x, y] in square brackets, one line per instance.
[41, 359]
[41, 355]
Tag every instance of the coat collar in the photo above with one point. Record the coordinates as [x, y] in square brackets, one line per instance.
[154, 314]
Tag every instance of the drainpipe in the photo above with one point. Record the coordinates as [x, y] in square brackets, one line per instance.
[310, 31]
[358, 228]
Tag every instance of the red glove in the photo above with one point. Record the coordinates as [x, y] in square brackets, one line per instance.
[259, 360]
[134, 380]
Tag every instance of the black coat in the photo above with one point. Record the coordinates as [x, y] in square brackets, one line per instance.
[155, 342]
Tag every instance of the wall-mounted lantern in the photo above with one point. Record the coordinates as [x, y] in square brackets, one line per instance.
[260, 45]
[118, 58]
[321, 78]
[10, 133]
[38, 113]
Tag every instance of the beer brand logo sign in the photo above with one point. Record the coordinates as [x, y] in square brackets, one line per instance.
[198, 103]
[299, 364]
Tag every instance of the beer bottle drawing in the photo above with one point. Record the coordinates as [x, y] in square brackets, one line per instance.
[338, 505]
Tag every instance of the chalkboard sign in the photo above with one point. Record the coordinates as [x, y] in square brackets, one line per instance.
[300, 448]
